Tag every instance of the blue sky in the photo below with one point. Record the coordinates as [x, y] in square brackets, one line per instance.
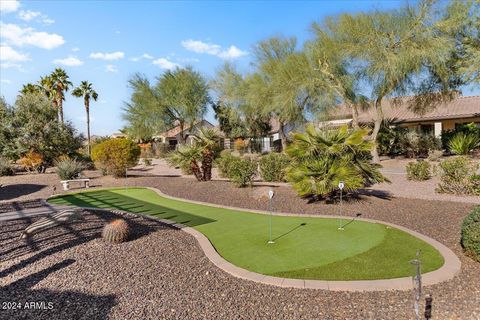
[106, 42]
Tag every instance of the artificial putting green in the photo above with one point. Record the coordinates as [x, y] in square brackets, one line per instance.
[304, 248]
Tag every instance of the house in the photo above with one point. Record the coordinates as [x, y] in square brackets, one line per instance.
[445, 116]
[172, 137]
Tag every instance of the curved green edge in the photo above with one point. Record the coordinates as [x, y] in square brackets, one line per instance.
[305, 247]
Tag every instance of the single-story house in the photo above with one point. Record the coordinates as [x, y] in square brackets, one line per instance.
[445, 116]
[172, 137]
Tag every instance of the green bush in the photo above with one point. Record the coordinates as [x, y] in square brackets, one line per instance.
[272, 167]
[114, 156]
[6, 168]
[242, 171]
[68, 169]
[463, 143]
[458, 176]
[322, 158]
[471, 234]
[470, 128]
[418, 171]
[414, 144]
[223, 163]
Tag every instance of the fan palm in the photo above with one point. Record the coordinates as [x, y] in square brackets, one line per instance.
[86, 91]
[187, 157]
[323, 158]
[61, 84]
[207, 141]
[30, 89]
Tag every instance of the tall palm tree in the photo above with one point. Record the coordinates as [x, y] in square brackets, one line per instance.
[46, 86]
[86, 91]
[61, 84]
[29, 89]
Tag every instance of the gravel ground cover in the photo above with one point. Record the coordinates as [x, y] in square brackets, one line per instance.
[164, 274]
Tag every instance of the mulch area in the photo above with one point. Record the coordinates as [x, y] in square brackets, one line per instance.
[163, 274]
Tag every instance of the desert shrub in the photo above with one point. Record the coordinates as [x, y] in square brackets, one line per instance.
[463, 143]
[419, 170]
[470, 239]
[147, 161]
[414, 144]
[272, 166]
[322, 158]
[241, 171]
[68, 169]
[470, 128]
[435, 155]
[458, 176]
[6, 169]
[32, 161]
[223, 163]
[115, 155]
[116, 231]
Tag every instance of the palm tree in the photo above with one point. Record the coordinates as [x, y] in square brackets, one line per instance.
[30, 89]
[46, 86]
[207, 141]
[60, 84]
[323, 158]
[203, 150]
[86, 91]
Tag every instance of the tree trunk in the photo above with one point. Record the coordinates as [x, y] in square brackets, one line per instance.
[355, 124]
[376, 128]
[183, 139]
[207, 162]
[196, 170]
[283, 137]
[87, 109]
[60, 105]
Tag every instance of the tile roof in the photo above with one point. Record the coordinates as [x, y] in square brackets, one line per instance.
[460, 107]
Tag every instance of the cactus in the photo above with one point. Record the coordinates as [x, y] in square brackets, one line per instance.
[116, 231]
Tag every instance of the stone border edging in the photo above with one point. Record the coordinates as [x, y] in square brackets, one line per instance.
[450, 268]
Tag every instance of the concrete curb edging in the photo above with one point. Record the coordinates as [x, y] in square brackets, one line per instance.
[450, 268]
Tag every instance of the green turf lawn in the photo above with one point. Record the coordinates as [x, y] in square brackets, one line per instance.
[306, 248]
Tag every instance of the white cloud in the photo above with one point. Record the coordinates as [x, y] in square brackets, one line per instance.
[75, 49]
[15, 35]
[107, 55]
[28, 15]
[213, 49]
[8, 65]
[111, 68]
[48, 21]
[165, 64]
[7, 81]
[69, 61]
[143, 56]
[7, 6]
[232, 53]
[9, 54]
[201, 47]
[103, 101]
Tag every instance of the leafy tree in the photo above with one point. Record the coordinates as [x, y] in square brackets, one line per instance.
[237, 118]
[184, 95]
[31, 129]
[61, 84]
[86, 91]
[396, 52]
[7, 132]
[323, 158]
[179, 97]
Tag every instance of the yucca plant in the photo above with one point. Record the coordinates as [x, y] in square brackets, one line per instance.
[323, 158]
[464, 143]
